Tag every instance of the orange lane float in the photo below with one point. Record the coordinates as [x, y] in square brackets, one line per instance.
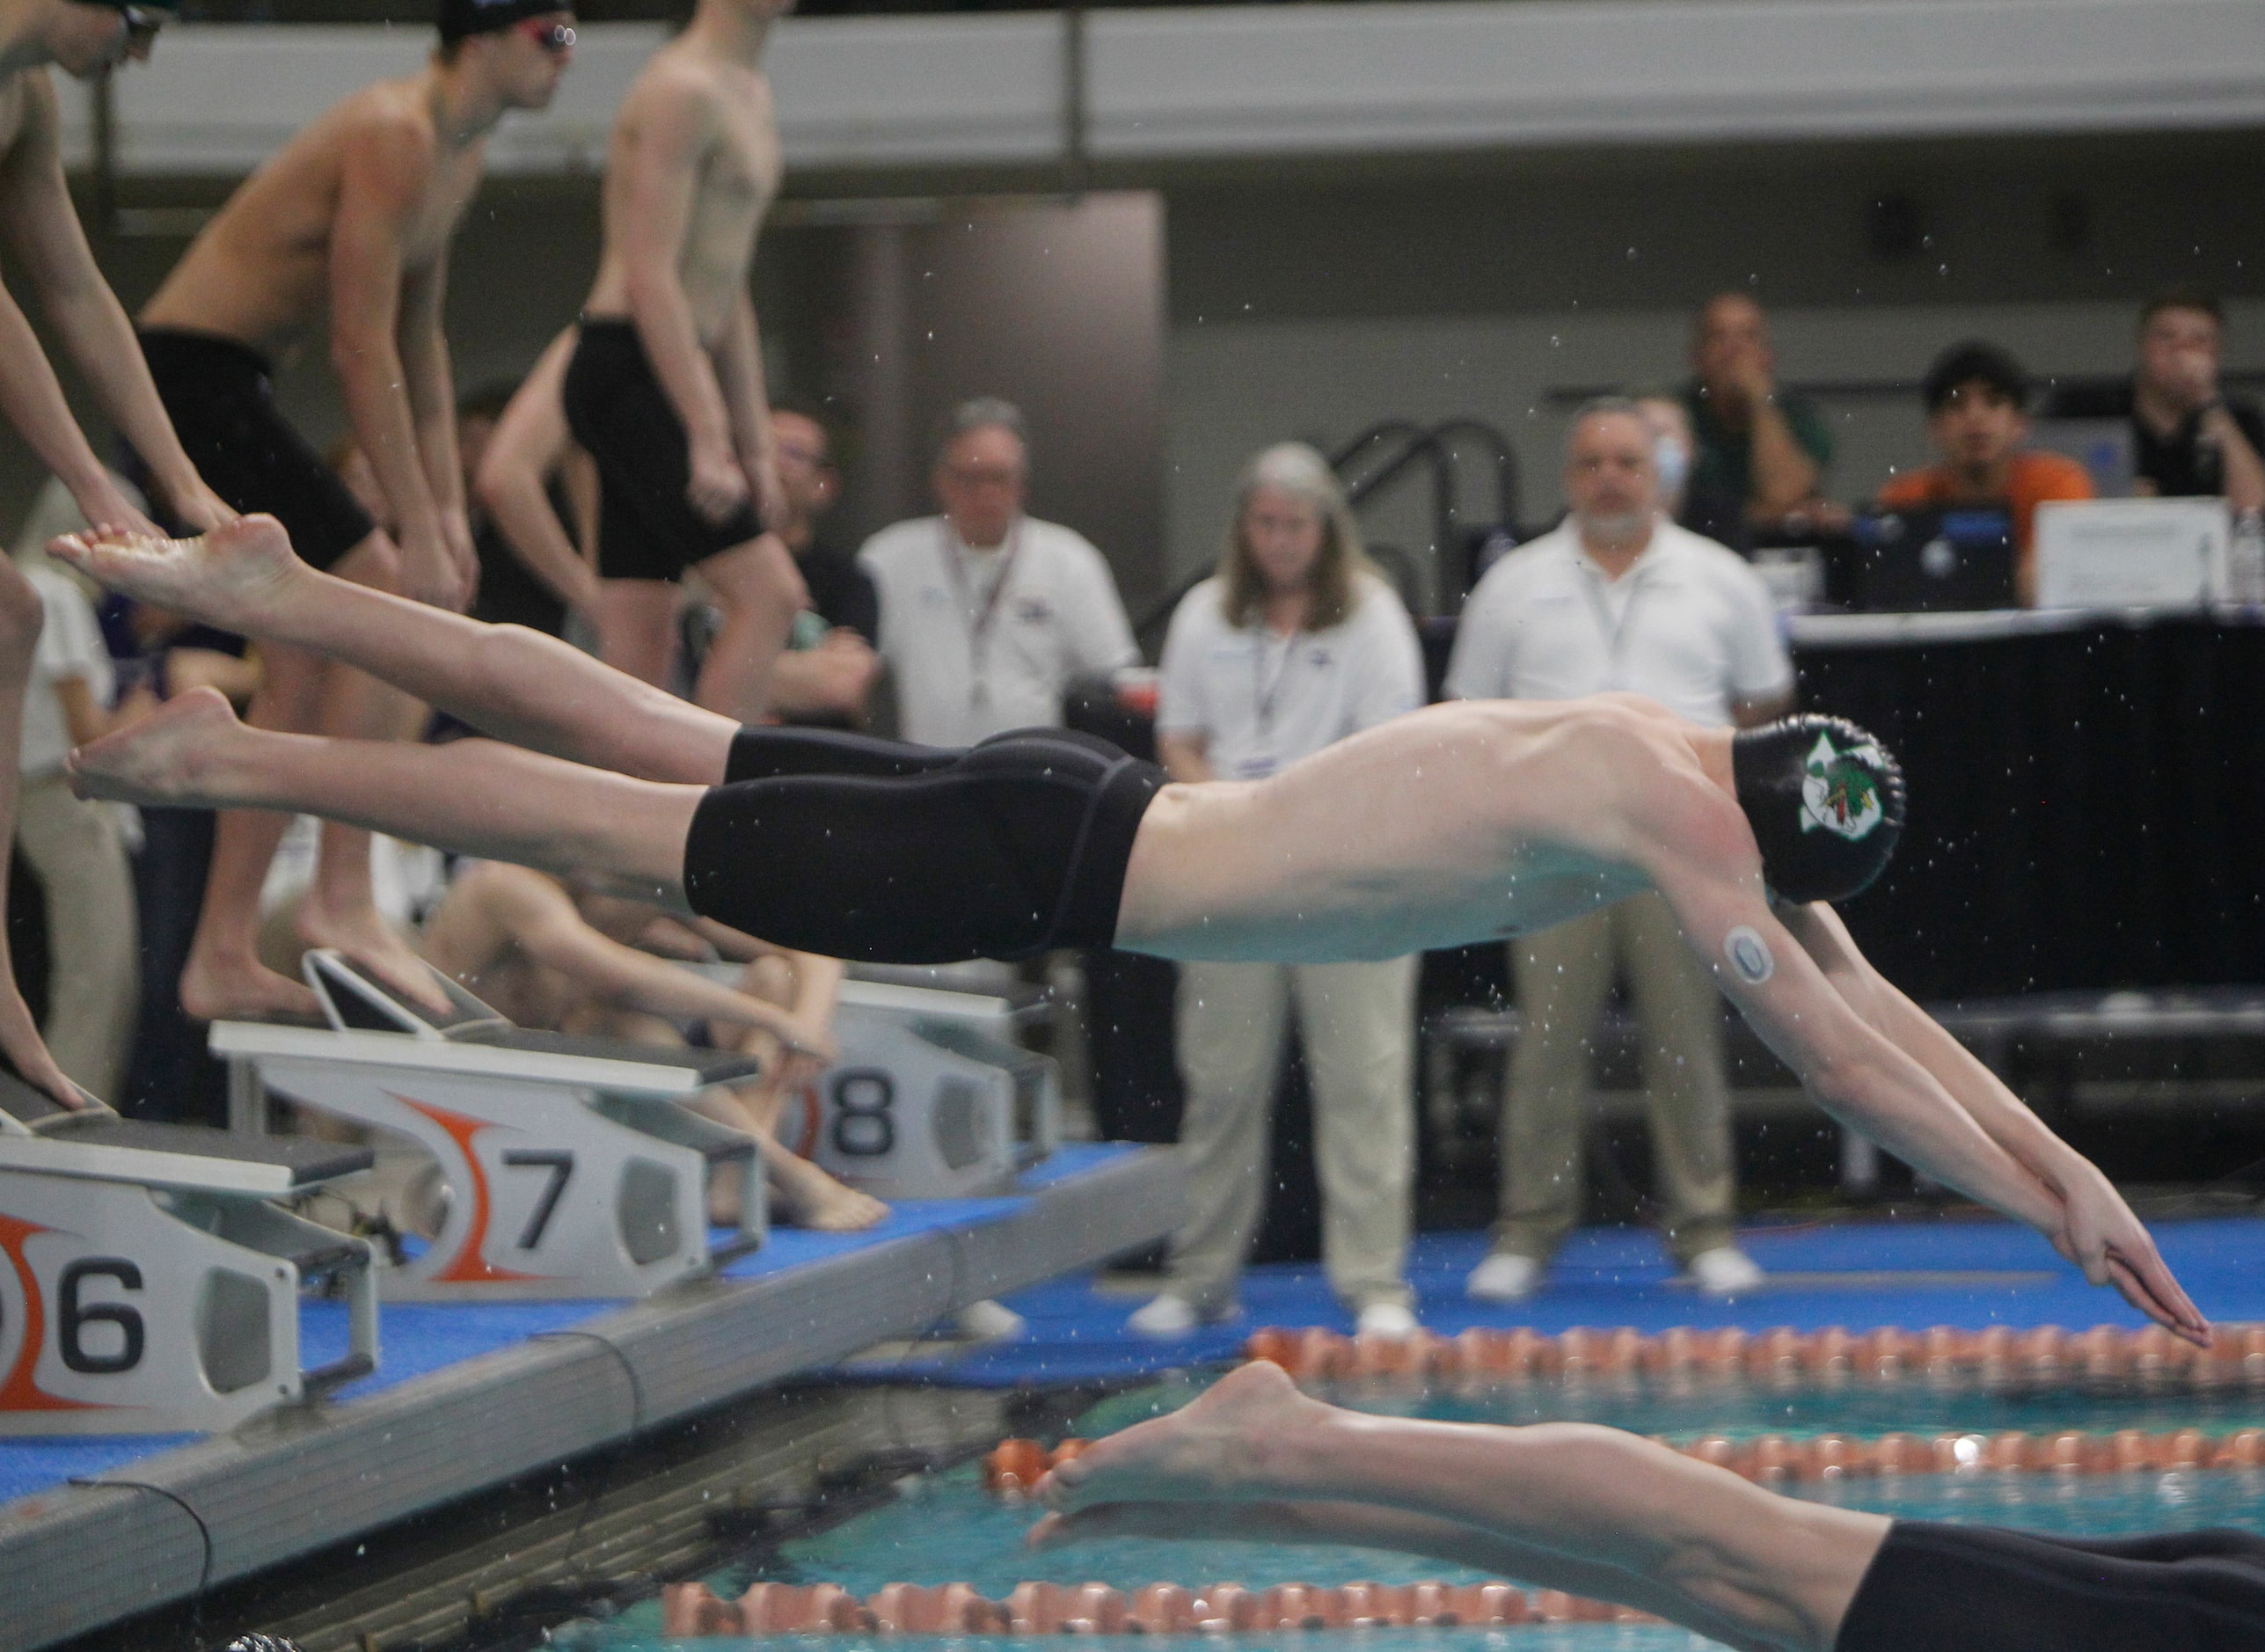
[1779, 1355]
[691, 1610]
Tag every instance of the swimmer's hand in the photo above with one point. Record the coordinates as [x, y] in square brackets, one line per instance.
[718, 484]
[27, 1052]
[198, 508]
[812, 1039]
[2101, 1236]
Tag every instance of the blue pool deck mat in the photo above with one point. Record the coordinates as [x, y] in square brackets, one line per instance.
[1965, 1273]
[468, 1397]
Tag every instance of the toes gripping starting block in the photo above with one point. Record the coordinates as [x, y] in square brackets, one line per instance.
[569, 1166]
[930, 1098]
[147, 1285]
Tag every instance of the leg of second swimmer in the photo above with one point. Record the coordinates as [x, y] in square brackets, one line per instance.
[475, 797]
[1694, 1542]
[515, 684]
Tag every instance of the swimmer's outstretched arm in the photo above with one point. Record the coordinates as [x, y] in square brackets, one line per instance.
[1872, 1082]
[474, 797]
[508, 681]
[2101, 1234]
[1568, 1506]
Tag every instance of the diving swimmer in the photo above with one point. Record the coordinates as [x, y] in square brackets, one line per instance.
[1455, 824]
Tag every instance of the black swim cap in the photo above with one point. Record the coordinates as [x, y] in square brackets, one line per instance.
[1826, 803]
[460, 19]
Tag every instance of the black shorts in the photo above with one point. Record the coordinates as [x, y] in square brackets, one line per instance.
[647, 529]
[864, 849]
[216, 392]
[1983, 1589]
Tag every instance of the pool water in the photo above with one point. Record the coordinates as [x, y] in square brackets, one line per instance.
[946, 1527]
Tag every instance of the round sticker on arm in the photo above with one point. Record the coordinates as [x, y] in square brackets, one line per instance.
[1749, 954]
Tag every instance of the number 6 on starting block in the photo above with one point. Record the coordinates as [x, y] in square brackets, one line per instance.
[146, 1285]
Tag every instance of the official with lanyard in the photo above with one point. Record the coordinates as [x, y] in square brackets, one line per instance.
[1618, 598]
[1294, 644]
[987, 613]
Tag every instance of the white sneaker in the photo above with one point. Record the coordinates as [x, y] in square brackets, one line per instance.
[1387, 1319]
[1725, 1271]
[988, 1322]
[1167, 1317]
[1505, 1277]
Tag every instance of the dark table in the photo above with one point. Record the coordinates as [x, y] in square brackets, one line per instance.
[2088, 796]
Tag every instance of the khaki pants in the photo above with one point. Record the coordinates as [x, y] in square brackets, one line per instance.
[1358, 1024]
[72, 848]
[1563, 974]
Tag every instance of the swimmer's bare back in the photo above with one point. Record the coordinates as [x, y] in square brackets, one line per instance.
[261, 272]
[1462, 822]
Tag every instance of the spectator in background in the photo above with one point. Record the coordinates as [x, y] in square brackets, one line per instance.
[826, 674]
[535, 496]
[987, 615]
[2188, 438]
[841, 592]
[1760, 453]
[1294, 644]
[1619, 598]
[74, 847]
[1976, 398]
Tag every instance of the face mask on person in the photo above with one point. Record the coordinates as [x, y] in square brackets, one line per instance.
[1673, 463]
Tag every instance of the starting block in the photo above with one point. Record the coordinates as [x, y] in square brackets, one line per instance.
[146, 1284]
[571, 1169]
[932, 1098]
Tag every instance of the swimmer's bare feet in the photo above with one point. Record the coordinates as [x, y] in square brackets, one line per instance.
[220, 987]
[170, 756]
[237, 576]
[360, 931]
[1227, 1446]
[808, 1197]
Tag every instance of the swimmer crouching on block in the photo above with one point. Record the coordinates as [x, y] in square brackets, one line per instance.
[1458, 823]
[1615, 1517]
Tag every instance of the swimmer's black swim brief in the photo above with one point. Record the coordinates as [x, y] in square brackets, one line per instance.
[216, 392]
[647, 529]
[1982, 1589]
[869, 849]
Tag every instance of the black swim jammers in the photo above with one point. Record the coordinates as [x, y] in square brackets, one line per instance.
[881, 852]
[616, 409]
[1984, 1588]
[218, 395]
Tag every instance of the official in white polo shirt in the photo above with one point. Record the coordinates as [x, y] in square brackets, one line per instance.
[1618, 598]
[1294, 644]
[987, 615]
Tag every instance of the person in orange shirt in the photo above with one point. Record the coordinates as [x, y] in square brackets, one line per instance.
[1976, 395]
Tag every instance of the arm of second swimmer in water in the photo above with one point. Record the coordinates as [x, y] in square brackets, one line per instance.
[2101, 1233]
[515, 684]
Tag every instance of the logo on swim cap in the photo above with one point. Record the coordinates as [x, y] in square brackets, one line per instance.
[1840, 790]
